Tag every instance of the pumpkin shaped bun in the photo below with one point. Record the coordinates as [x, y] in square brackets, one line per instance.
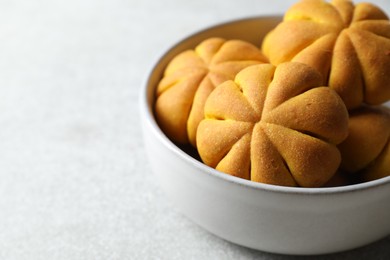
[275, 125]
[349, 44]
[367, 147]
[191, 76]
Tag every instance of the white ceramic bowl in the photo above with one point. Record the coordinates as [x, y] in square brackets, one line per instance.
[260, 216]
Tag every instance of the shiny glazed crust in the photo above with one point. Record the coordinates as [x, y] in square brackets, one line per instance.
[349, 44]
[274, 125]
[191, 76]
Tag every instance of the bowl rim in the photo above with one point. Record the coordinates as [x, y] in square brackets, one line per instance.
[147, 115]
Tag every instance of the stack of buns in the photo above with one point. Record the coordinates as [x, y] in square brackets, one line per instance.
[305, 109]
[191, 76]
[349, 44]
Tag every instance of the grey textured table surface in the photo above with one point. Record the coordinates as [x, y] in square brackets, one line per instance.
[74, 180]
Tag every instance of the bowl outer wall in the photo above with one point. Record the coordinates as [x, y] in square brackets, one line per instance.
[265, 217]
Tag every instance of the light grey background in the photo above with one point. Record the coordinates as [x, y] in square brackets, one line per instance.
[74, 180]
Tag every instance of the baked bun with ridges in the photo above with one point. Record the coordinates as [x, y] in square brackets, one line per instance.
[274, 125]
[349, 44]
[366, 149]
[191, 76]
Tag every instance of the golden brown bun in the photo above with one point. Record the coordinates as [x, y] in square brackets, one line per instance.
[191, 76]
[366, 147]
[274, 125]
[349, 44]
[380, 167]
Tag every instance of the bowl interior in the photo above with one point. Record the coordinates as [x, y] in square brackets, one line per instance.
[252, 30]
